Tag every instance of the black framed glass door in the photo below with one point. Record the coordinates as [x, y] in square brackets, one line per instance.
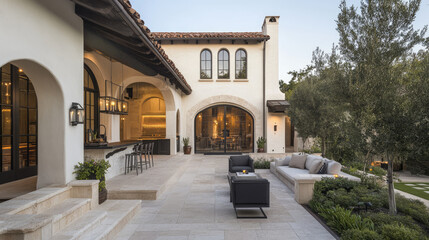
[223, 129]
[18, 134]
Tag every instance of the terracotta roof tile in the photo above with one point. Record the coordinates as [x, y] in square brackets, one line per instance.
[136, 16]
[210, 35]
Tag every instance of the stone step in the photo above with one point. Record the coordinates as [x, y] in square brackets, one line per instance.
[67, 212]
[119, 213]
[45, 224]
[35, 202]
[86, 223]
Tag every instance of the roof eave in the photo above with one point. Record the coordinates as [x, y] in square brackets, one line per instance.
[145, 38]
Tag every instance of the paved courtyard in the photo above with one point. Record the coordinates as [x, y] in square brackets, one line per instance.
[197, 206]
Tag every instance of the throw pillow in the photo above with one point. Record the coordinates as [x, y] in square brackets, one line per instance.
[334, 168]
[298, 161]
[316, 165]
[312, 159]
[324, 168]
[283, 161]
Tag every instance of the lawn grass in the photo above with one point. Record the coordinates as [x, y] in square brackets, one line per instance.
[416, 192]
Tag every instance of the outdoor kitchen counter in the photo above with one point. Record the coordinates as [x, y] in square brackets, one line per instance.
[112, 152]
[110, 145]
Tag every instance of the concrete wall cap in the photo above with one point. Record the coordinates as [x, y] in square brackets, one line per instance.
[83, 183]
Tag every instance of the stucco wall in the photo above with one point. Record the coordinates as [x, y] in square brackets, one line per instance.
[247, 93]
[243, 93]
[45, 39]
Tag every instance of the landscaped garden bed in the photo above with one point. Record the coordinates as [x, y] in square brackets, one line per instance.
[360, 211]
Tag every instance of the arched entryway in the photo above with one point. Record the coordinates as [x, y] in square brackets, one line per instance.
[18, 134]
[146, 119]
[224, 129]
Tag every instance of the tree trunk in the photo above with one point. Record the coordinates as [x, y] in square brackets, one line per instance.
[392, 201]
[303, 144]
[323, 147]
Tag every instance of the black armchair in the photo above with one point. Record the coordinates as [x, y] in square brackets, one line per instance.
[250, 193]
[240, 163]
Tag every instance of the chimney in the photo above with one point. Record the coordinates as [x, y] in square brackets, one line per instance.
[270, 25]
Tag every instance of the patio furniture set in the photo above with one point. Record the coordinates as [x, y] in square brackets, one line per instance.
[247, 188]
[134, 160]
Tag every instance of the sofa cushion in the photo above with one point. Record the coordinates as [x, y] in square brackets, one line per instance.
[311, 160]
[240, 160]
[316, 165]
[291, 173]
[283, 161]
[298, 161]
[333, 167]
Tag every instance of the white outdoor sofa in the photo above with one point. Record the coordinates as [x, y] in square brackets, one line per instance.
[300, 181]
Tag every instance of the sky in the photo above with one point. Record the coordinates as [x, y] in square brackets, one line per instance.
[303, 25]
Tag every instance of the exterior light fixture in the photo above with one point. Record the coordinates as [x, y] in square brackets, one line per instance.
[113, 100]
[124, 107]
[275, 127]
[77, 114]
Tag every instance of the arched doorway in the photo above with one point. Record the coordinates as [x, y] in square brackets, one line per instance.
[224, 129]
[18, 140]
[146, 119]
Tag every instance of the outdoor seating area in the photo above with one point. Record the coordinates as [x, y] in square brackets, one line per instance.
[300, 172]
[197, 206]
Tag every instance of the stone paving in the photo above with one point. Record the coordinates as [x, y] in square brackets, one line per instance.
[197, 206]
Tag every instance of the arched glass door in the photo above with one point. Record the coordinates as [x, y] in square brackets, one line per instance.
[91, 98]
[223, 129]
[18, 134]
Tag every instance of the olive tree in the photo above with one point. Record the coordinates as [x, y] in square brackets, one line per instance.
[373, 40]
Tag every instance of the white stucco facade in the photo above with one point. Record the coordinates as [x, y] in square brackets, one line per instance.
[45, 39]
[245, 93]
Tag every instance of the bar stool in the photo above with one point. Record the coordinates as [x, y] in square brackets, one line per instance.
[150, 151]
[143, 150]
[132, 160]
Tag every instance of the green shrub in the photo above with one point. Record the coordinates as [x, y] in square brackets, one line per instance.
[340, 220]
[262, 164]
[380, 219]
[346, 193]
[356, 234]
[92, 170]
[415, 208]
[327, 184]
[378, 171]
[400, 232]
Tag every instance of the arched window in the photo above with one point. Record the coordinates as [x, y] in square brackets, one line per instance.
[223, 64]
[240, 64]
[206, 64]
[92, 122]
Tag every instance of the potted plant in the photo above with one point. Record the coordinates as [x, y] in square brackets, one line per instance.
[186, 147]
[261, 143]
[92, 169]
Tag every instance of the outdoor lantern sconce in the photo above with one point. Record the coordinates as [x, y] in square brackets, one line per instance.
[124, 107]
[275, 127]
[77, 114]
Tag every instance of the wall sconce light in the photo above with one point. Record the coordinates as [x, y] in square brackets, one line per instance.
[77, 114]
[275, 127]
